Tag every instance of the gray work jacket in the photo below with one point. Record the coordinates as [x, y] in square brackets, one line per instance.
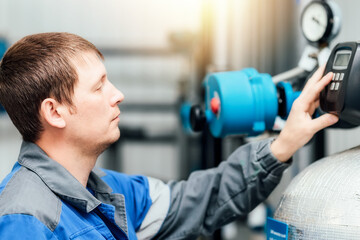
[40, 199]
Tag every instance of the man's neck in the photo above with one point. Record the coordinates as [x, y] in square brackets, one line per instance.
[78, 163]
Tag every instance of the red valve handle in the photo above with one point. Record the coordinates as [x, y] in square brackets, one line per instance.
[215, 105]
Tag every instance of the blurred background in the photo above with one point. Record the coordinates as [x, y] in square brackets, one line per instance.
[158, 53]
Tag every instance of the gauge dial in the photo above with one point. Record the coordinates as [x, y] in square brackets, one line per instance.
[320, 21]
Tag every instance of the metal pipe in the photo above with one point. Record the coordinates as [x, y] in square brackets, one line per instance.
[292, 73]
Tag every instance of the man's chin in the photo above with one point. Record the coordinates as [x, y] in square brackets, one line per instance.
[118, 135]
[115, 138]
[105, 145]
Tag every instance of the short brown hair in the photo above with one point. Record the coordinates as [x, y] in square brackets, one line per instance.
[37, 67]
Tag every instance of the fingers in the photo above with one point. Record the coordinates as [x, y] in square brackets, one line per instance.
[313, 89]
[317, 75]
[324, 121]
[323, 82]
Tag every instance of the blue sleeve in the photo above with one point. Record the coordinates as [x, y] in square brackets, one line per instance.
[24, 227]
[136, 191]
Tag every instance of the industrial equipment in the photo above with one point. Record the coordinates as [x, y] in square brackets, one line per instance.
[247, 102]
[341, 96]
[321, 21]
[3, 48]
[242, 102]
[322, 201]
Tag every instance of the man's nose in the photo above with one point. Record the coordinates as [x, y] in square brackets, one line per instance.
[117, 97]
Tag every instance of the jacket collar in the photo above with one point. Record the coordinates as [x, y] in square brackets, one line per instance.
[59, 180]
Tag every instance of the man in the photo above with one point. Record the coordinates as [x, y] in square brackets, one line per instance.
[55, 89]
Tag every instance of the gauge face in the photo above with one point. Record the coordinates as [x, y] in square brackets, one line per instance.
[315, 21]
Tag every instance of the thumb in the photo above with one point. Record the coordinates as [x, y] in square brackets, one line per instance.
[324, 121]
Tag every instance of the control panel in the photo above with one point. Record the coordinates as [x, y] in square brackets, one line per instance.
[341, 96]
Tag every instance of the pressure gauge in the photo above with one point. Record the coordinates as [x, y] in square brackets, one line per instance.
[320, 21]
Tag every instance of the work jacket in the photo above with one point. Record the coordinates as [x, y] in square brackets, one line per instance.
[40, 199]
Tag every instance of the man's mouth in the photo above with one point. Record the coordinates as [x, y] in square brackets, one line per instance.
[117, 117]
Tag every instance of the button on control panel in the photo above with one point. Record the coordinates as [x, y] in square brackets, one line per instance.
[341, 76]
[336, 81]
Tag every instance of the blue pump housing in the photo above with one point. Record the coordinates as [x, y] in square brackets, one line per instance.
[240, 103]
[3, 47]
[248, 102]
[185, 109]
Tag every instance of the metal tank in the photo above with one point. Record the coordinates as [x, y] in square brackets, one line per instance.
[323, 201]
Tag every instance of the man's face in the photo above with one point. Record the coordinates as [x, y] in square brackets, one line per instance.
[92, 122]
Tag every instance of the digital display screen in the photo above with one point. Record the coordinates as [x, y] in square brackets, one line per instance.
[342, 59]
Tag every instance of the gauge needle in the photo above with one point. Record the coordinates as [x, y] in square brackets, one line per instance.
[317, 21]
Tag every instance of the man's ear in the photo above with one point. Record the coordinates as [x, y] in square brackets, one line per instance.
[52, 113]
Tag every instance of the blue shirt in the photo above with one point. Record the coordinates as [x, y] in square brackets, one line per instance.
[45, 201]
